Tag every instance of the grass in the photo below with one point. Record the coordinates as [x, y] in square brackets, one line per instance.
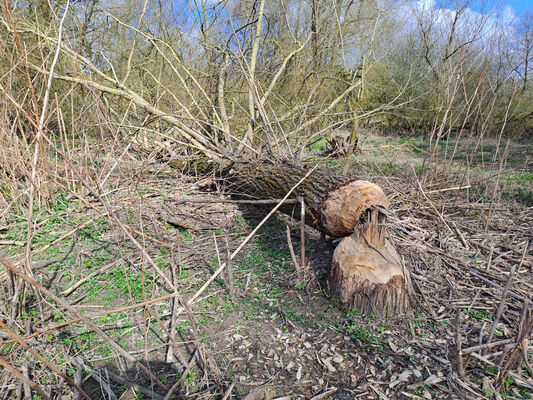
[263, 272]
[395, 156]
[374, 341]
[477, 315]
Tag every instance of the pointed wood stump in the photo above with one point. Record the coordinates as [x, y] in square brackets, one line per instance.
[367, 272]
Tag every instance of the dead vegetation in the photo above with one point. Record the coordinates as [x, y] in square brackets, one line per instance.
[275, 332]
[133, 268]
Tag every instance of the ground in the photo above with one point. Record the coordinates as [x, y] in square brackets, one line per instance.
[459, 236]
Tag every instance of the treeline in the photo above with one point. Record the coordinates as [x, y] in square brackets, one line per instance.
[272, 73]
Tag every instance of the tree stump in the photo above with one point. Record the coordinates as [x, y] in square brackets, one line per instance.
[367, 272]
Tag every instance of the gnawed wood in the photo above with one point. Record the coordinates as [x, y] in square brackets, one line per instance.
[369, 280]
[367, 272]
[343, 207]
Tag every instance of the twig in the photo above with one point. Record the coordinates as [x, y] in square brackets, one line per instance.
[91, 275]
[78, 380]
[324, 394]
[27, 389]
[490, 258]
[227, 395]
[369, 244]
[526, 246]
[293, 255]
[458, 344]
[229, 274]
[12, 243]
[487, 346]
[229, 267]
[448, 189]
[502, 304]
[173, 301]
[465, 243]
[110, 394]
[302, 235]
[378, 392]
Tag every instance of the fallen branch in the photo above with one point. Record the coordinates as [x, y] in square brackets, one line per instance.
[123, 381]
[230, 201]
[487, 346]
[91, 275]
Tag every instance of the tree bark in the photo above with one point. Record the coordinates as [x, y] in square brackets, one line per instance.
[266, 180]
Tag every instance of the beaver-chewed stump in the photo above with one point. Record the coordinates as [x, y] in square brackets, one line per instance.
[367, 272]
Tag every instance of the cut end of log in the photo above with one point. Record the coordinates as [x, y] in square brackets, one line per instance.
[369, 278]
[344, 206]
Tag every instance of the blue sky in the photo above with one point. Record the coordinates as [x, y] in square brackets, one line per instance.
[521, 6]
[509, 8]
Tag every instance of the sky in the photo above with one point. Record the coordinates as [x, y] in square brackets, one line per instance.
[508, 11]
[521, 6]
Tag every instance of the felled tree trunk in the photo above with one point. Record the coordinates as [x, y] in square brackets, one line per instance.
[367, 272]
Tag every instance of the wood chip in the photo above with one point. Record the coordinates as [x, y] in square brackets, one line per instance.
[299, 373]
